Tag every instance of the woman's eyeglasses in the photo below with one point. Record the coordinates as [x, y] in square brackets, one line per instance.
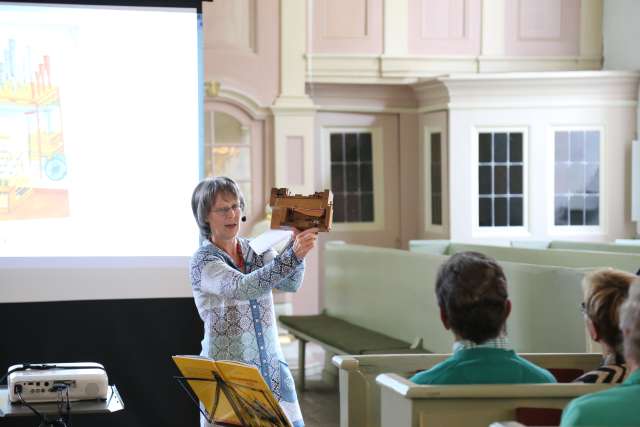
[224, 212]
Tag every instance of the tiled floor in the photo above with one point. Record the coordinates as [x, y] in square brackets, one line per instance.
[319, 402]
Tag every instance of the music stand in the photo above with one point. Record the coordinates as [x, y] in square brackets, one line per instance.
[229, 393]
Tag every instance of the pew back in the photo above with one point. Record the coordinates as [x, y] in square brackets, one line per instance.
[577, 246]
[404, 404]
[624, 259]
[392, 292]
[360, 395]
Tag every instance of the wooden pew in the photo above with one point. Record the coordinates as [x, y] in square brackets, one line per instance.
[360, 395]
[572, 245]
[340, 337]
[391, 292]
[625, 259]
[404, 404]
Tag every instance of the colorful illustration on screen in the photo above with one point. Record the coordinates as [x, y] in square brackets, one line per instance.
[33, 165]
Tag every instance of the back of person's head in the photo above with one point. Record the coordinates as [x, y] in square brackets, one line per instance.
[630, 324]
[472, 292]
[605, 291]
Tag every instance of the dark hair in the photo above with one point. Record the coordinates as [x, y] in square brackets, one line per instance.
[606, 290]
[204, 197]
[472, 290]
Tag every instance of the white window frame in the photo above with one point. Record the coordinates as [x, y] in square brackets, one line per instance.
[574, 230]
[209, 145]
[444, 160]
[501, 231]
[378, 175]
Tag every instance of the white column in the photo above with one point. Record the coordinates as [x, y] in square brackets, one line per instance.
[591, 28]
[294, 161]
[293, 129]
[293, 110]
[493, 23]
[293, 39]
[396, 31]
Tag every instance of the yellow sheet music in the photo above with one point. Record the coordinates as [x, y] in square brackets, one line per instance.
[238, 395]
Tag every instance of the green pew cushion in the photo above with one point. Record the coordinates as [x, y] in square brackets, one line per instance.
[346, 336]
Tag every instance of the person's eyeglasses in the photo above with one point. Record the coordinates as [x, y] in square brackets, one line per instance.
[583, 308]
[224, 212]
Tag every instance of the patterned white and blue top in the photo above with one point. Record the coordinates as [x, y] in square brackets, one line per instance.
[238, 313]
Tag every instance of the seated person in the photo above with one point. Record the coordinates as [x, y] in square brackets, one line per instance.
[472, 294]
[615, 406]
[605, 291]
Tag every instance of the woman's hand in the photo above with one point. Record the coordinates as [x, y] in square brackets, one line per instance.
[304, 241]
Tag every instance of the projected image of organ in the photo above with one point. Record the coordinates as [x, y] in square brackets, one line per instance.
[33, 166]
[88, 122]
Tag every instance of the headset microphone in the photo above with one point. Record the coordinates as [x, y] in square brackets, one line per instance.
[244, 218]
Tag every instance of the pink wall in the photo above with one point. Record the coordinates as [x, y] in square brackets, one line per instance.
[367, 97]
[542, 27]
[346, 26]
[242, 46]
[438, 27]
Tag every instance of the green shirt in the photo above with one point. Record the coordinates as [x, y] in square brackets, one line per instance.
[482, 365]
[617, 406]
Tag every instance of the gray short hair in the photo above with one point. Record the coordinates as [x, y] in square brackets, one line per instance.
[204, 196]
[630, 323]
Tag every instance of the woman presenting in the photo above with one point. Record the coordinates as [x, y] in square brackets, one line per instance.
[232, 288]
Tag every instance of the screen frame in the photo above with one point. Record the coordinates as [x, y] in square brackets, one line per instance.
[37, 279]
[134, 3]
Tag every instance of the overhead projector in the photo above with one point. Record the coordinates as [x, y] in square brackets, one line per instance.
[49, 382]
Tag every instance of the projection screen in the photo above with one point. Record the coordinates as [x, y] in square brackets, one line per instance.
[100, 141]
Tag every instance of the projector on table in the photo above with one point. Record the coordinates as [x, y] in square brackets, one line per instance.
[49, 382]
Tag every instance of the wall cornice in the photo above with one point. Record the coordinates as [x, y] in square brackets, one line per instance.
[394, 69]
[458, 91]
[497, 64]
[571, 89]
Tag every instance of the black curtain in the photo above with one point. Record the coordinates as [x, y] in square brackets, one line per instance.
[133, 339]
